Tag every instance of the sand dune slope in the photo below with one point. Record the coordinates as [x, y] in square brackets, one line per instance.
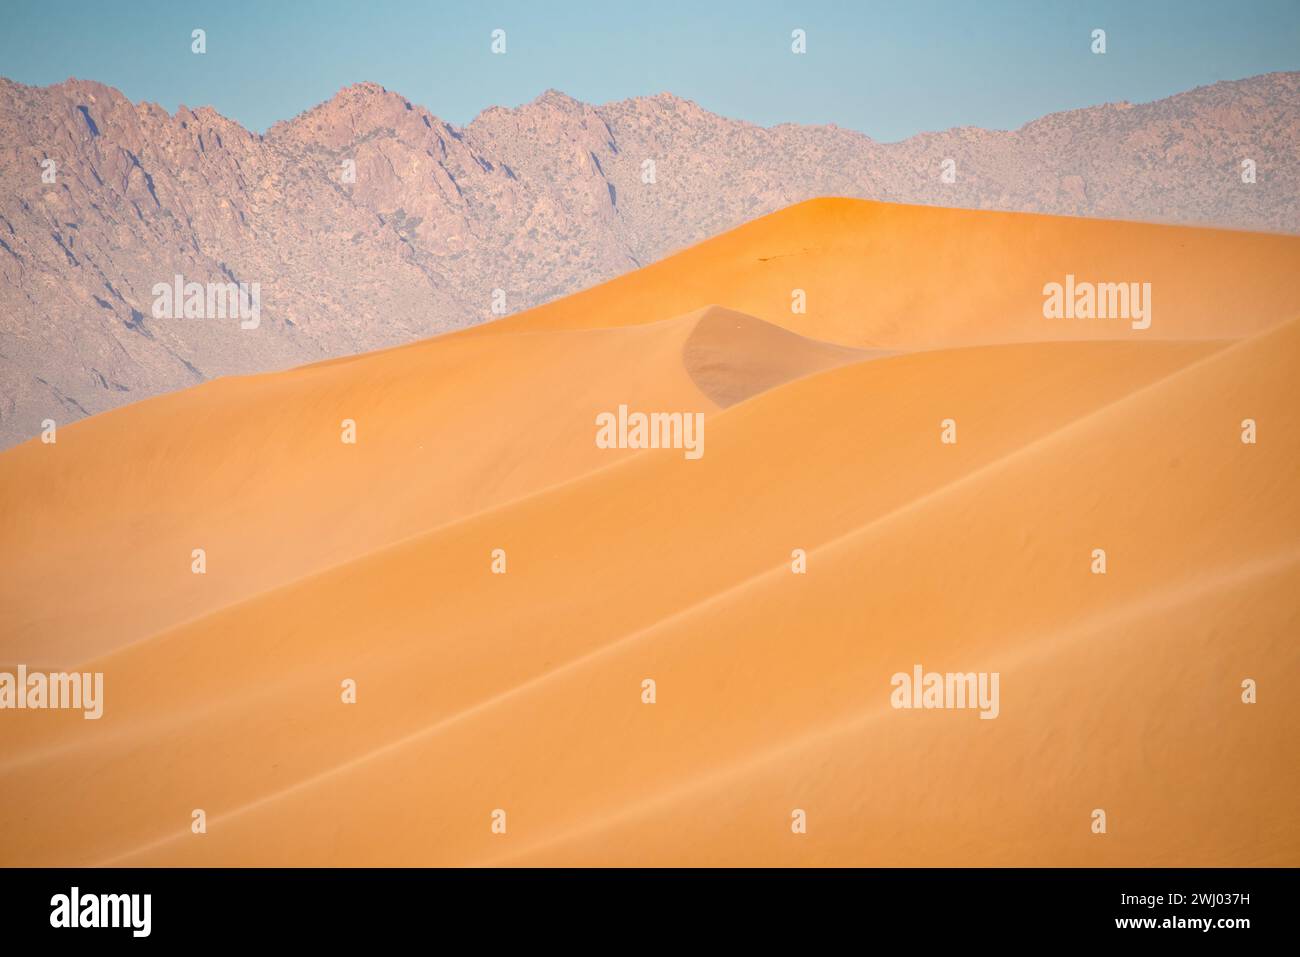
[827, 538]
[1120, 693]
[434, 638]
[255, 472]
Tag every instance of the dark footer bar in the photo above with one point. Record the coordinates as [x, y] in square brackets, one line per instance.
[333, 905]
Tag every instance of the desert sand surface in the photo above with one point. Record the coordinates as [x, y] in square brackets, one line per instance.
[522, 692]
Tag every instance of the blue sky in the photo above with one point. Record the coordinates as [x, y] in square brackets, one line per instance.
[889, 69]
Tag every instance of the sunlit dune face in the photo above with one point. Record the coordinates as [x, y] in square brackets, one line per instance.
[464, 630]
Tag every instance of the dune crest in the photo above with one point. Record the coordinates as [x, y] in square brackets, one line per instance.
[886, 276]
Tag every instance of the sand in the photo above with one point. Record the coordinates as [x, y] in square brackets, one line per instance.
[523, 691]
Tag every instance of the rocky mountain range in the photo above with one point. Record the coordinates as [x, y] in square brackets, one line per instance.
[367, 221]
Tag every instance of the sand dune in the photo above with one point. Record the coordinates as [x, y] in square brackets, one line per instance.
[523, 691]
[272, 493]
[889, 276]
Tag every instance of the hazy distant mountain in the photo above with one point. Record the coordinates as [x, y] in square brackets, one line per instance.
[534, 202]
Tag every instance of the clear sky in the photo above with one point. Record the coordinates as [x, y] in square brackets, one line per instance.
[889, 69]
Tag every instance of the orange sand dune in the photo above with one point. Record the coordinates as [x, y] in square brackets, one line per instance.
[890, 276]
[523, 691]
[254, 470]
